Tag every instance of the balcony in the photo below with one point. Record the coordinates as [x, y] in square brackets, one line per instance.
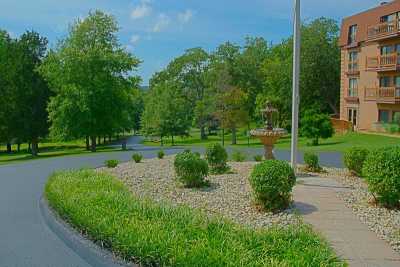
[388, 95]
[352, 68]
[352, 97]
[389, 62]
[383, 30]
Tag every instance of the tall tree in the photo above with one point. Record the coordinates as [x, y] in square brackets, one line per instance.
[189, 72]
[32, 90]
[7, 89]
[90, 74]
[320, 69]
[230, 103]
[165, 112]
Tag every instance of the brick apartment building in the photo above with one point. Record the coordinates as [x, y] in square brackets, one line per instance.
[370, 63]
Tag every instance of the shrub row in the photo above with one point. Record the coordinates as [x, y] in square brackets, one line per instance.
[381, 170]
[157, 234]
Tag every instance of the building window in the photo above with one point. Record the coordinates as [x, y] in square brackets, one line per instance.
[385, 81]
[353, 87]
[352, 34]
[353, 56]
[384, 116]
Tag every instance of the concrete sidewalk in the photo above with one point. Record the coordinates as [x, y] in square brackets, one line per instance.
[316, 199]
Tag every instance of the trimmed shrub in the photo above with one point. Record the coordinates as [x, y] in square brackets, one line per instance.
[161, 154]
[382, 173]
[190, 169]
[354, 159]
[238, 156]
[112, 163]
[217, 157]
[258, 158]
[312, 162]
[272, 182]
[137, 157]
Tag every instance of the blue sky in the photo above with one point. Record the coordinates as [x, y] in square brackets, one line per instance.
[156, 31]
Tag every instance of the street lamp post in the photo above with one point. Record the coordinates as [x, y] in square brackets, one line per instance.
[296, 83]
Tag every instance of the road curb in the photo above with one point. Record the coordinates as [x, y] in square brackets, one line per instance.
[86, 249]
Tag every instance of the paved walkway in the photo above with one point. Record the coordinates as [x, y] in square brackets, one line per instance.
[316, 199]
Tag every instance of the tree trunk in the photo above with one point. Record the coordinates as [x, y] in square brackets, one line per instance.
[203, 135]
[99, 140]
[104, 139]
[93, 144]
[29, 147]
[124, 144]
[109, 138]
[9, 148]
[234, 142]
[87, 143]
[223, 137]
[19, 147]
[172, 139]
[35, 147]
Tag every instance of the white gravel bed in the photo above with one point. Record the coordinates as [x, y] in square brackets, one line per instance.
[229, 194]
[384, 222]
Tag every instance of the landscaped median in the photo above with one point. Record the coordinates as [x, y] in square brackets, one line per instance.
[155, 234]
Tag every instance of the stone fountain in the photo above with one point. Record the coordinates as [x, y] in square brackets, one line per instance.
[268, 135]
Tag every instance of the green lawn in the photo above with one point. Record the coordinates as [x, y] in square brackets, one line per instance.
[156, 234]
[49, 149]
[338, 143]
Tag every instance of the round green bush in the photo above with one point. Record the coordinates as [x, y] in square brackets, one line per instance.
[161, 154]
[190, 169]
[354, 159]
[382, 173]
[272, 182]
[137, 157]
[312, 162]
[217, 157]
[112, 163]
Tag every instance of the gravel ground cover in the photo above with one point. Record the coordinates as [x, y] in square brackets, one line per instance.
[228, 195]
[384, 222]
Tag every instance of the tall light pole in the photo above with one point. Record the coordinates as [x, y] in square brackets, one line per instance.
[296, 82]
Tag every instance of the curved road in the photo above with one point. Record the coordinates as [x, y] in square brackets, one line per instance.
[25, 240]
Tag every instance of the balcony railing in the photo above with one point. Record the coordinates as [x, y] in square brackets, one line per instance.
[383, 94]
[382, 62]
[383, 30]
[352, 68]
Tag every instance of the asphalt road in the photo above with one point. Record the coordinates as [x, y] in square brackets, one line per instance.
[25, 240]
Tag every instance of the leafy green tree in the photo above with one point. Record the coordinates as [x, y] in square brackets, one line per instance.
[33, 91]
[165, 112]
[230, 106]
[7, 89]
[89, 72]
[320, 69]
[316, 125]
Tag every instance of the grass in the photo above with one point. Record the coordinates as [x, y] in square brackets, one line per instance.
[49, 149]
[338, 143]
[160, 235]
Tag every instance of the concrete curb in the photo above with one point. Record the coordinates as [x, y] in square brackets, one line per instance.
[86, 249]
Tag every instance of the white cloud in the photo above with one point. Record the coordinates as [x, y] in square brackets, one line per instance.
[135, 39]
[163, 21]
[185, 17]
[142, 10]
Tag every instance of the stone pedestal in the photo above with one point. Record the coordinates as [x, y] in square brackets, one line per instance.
[269, 152]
